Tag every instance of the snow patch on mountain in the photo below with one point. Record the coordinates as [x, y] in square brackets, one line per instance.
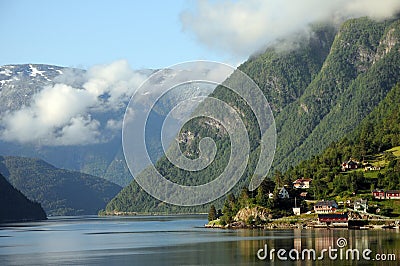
[35, 71]
[6, 72]
[54, 106]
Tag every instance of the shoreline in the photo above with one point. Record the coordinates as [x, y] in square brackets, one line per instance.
[285, 227]
[390, 224]
[103, 214]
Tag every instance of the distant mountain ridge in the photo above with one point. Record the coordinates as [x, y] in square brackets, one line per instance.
[60, 192]
[20, 84]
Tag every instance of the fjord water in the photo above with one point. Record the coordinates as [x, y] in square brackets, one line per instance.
[171, 240]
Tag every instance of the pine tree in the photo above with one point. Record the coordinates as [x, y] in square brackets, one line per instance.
[212, 213]
[244, 198]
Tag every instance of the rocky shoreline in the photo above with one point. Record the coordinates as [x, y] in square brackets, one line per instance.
[259, 218]
[393, 225]
[242, 225]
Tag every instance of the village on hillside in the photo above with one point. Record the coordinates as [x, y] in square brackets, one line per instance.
[360, 211]
[345, 213]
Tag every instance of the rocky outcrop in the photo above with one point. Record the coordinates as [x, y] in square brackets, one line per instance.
[255, 212]
[389, 41]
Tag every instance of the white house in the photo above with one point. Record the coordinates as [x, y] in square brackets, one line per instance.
[302, 183]
[360, 205]
[328, 206]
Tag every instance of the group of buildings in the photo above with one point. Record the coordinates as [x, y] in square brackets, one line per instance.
[386, 194]
[330, 206]
[327, 210]
[353, 164]
[301, 183]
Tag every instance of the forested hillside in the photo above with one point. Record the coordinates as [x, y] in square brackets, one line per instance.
[14, 206]
[319, 90]
[59, 191]
[370, 143]
[374, 145]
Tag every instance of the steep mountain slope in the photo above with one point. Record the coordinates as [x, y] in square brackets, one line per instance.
[329, 94]
[378, 132]
[15, 207]
[374, 144]
[283, 74]
[356, 76]
[61, 192]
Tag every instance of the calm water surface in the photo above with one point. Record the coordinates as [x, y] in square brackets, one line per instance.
[174, 240]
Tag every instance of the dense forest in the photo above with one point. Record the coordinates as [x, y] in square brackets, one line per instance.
[320, 90]
[59, 191]
[15, 206]
[376, 134]
[370, 143]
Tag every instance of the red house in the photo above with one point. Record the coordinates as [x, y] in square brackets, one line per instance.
[378, 194]
[333, 218]
[389, 194]
[393, 194]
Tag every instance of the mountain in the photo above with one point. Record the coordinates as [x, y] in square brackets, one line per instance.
[72, 118]
[15, 207]
[371, 150]
[374, 144]
[59, 191]
[20, 84]
[360, 70]
[320, 89]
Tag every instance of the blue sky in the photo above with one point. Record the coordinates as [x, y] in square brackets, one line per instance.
[112, 38]
[156, 34]
[149, 34]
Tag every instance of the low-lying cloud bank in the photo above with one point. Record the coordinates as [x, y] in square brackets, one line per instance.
[243, 27]
[63, 114]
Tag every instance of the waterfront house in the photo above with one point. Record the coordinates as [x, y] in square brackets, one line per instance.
[296, 211]
[302, 183]
[327, 206]
[333, 218]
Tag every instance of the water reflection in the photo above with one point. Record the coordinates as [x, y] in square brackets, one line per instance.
[174, 240]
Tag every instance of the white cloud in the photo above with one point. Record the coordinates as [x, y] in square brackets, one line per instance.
[114, 124]
[78, 131]
[63, 114]
[244, 26]
[117, 80]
